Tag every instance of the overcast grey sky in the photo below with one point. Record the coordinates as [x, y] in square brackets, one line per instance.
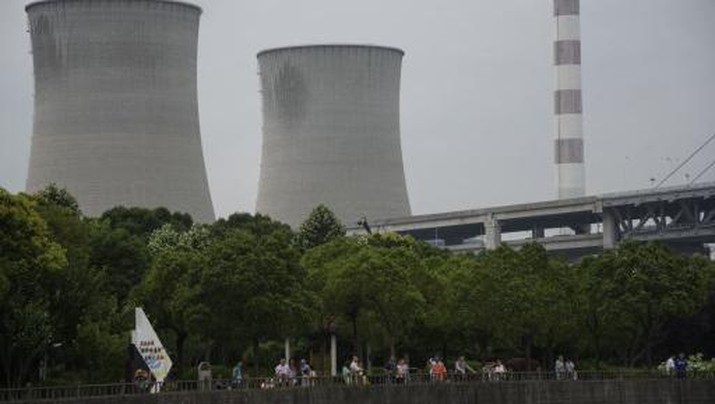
[477, 125]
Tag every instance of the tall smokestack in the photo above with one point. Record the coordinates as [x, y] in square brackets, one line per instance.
[116, 112]
[569, 150]
[331, 132]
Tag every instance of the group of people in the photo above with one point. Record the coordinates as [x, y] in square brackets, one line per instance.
[565, 369]
[288, 374]
[677, 366]
[398, 371]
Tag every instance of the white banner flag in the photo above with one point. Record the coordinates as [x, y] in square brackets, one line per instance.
[150, 348]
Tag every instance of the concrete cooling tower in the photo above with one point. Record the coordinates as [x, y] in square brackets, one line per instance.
[331, 133]
[116, 114]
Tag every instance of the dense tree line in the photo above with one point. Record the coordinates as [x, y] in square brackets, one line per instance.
[235, 289]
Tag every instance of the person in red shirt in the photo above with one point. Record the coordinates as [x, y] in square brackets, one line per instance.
[439, 371]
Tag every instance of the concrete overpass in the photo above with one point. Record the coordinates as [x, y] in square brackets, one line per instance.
[682, 217]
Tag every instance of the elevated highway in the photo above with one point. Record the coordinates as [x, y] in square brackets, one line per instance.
[682, 217]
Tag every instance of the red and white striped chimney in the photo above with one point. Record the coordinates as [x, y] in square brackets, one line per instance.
[569, 151]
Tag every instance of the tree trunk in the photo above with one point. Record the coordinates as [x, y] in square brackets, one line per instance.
[333, 355]
[527, 349]
[7, 366]
[325, 347]
[180, 342]
[367, 362]
[356, 343]
[392, 348]
[597, 348]
[593, 325]
[256, 348]
[26, 364]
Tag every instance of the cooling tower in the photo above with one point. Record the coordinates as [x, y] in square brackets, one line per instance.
[331, 133]
[116, 115]
[569, 151]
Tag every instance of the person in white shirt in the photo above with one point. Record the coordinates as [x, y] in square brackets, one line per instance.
[570, 370]
[403, 371]
[461, 367]
[355, 369]
[670, 365]
[499, 370]
[282, 372]
[560, 368]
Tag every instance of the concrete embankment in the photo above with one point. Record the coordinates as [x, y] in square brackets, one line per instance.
[660, 391]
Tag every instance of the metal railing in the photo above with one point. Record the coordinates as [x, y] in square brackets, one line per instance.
[54, 393]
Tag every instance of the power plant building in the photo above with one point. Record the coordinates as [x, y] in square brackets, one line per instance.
[331, 133]
[116, 116]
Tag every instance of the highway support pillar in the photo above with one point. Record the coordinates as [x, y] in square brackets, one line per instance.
[610, 230]
[492, 233]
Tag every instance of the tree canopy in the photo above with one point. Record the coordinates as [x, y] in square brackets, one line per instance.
[31, 264]
[321, 227]
[237, 288]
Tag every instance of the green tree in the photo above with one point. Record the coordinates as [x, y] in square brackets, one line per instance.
[550, 289]
[121, 256]
[82, 306]
[439, 329]
[166, 237]
[59, 197]
[321, 227]
[371, 279]
[485, 301]
[516, 300]
[253, 285]
[142, 222]
[120, 243]
[258, 225]
[171, 293]
[635, 290]
[78, 285]
[30, 263]
[171, 290]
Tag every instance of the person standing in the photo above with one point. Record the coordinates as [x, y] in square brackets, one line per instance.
[390, 370]
[681, 366]
[670, 365]
[402, 372]
[237, 375]
[292, 372]
[356, 370]
[499, 370]
[282, 372]
[461, 367]
[560, 368]
[439, 371]
[305, 373]
[346, 373]
[570, 370]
